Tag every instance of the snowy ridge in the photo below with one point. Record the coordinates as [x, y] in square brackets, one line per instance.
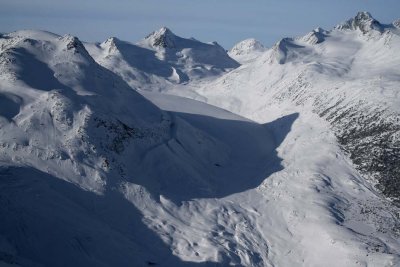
[363, 22]
[315, 37]
[93, 173]
[162, 60]
[54, 86]
[163, 38]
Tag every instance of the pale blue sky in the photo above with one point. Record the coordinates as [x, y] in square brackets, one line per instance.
[225, 21]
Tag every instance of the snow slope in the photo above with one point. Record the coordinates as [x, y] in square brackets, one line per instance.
[75, 138]
[349, 76]
[94, 174]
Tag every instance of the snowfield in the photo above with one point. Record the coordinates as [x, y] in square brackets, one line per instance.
[174, 152]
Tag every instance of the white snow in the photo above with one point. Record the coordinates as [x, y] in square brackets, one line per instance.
[213, 164]
[162, 60]
[246, 50]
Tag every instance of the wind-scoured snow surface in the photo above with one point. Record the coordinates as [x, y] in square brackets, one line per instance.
[111, 154]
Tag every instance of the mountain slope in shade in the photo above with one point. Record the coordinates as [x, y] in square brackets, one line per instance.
[162, 59]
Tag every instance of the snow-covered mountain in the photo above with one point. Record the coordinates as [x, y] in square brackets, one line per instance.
[83, 155]
[92, 173]
[246, 50]
[349, 76]
[162, 60]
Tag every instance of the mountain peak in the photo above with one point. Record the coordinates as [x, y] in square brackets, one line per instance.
[163, 37]
[364, 16]
[74, 44]
[316, 36]
[363, 21]
[247, 46]
[110, 44]
[165, 30]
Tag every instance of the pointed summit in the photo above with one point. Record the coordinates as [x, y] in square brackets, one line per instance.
[165, 30]
[110, 44]
[247, 46]
[72, 43]
[164, 37]
[316, 36]
[363, 21]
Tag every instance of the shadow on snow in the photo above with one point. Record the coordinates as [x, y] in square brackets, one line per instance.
[207, 157]
[52, 222]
